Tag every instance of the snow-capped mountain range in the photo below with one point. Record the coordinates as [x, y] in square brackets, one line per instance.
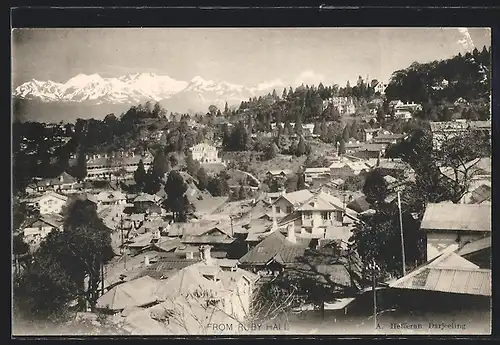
[175, 95]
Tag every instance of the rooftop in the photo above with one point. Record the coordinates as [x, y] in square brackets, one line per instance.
[463, 217]
[273, 245]
[448, 273]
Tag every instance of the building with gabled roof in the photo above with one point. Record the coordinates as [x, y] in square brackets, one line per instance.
[51, 202]
[454, 225]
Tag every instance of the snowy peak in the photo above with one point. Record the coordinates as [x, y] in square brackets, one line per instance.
[198, 93]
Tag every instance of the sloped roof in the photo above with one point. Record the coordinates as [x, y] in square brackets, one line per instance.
[61, 179]
[372, 147]
[209, 239]
[472, 247]
[275, 244]
[455, 276]
[144, 197]
[359, 204]
[53, 220]
[208, 204]
[465, 217]
[111, 196]
[481, 194]
[54, 195]
[297, 197]
[282, 171]
[134, 293]
[317, 170]
[167, 244]
[322, 201]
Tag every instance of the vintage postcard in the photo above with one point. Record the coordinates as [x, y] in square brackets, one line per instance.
[263, 181]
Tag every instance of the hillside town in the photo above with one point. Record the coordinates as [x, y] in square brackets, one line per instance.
[355, 212]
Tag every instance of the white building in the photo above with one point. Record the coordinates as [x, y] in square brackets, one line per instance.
[51, 202]
[104, 166]
[455, 225]
[205, 153]
[406, 110]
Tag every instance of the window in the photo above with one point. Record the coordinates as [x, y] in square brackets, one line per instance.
[289, 209]
[278, 209]
[308, 214]
[325, 215]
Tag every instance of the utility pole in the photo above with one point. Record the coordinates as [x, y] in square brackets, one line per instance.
[373, 269]
[402, 236]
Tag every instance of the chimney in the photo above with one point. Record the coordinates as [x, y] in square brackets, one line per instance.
[291, 233]
[275, 222]
[189, 255]
[146, 260]
[205, 254]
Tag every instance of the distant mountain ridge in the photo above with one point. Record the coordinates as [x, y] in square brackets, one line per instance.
[176, 96]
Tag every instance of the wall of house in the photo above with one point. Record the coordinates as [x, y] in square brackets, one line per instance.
[50, 204]
[342, 173]
[334, 218]
[35, 235]
[438, 241]
[282, 206]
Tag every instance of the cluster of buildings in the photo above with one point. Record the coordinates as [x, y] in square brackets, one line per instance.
[345, 105]
[446, 130]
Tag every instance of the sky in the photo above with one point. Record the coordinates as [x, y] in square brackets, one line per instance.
[245, 56]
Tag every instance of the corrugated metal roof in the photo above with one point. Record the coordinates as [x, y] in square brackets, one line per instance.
[450, 276]
[463, 217]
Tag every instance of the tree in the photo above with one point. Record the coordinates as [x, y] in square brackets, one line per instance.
[140, 174]
[175, 187]
[242, 193]
[375, 188]
[79, 171]
[68, 263]
[342, 150]
[271, 151]
[160, 165]
[301, 182]
[152, 183]
[301, 147]
[202, 179]
[353, 131]
[346, 134]
[218, 186]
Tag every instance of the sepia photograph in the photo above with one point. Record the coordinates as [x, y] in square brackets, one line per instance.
[251, 181]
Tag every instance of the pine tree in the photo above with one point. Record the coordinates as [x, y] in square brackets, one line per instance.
[301, 147]
[140, 174]
[80, 169]
[284, 96]
[354, 130]
[301, 182]
[202, 179]
[346, 134]
[274, 95]
[271, 151]
[175, 187]
[341, 147]
[242, 194]
[160, 165]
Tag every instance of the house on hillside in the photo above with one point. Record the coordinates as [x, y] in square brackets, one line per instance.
[321, 215]
[454, 225]
[406, 110]
[110, 197]
[442, 131]
[104, 166]
[205, 153]
[316, 173]
[147, 203]
[370, 150]
[269, 257]
[288, 202]
[38, 228]
[51, 202]
[219, 238]
[369, 133]
[279, 173]
[64, 184]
